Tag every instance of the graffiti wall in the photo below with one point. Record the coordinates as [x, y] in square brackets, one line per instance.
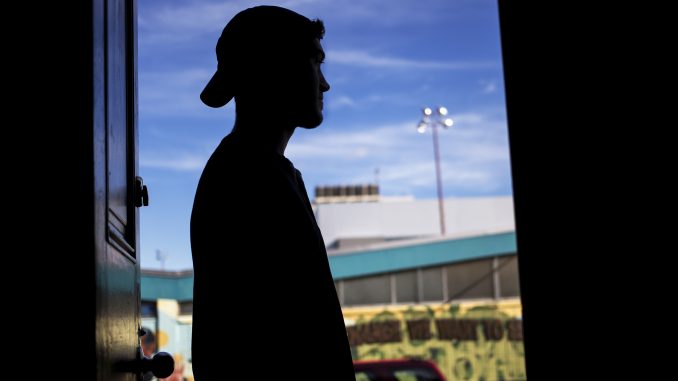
[481, 341]
[478, 342]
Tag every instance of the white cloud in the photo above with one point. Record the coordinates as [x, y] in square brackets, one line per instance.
[172, 79]
[367, 59]
[360, 152]
[488, 87]
[340, 102]
[198, 17]
[469, 118]
[388, 13]
[174, 92]
[422, 174]
[474, 154]
[185, 162]
[172, 23]
[341, 144]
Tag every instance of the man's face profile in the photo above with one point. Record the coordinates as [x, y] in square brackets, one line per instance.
[293, 87]
[311, 103]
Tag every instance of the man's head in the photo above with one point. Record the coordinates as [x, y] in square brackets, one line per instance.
[270, 57]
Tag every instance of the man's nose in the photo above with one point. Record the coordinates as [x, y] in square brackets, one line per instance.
[324, 86]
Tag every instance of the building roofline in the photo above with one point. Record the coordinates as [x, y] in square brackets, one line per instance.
[167, 274]
[424, 253]
[402, 243]
[378, 259]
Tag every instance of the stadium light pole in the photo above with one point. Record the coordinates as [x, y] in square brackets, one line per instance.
[436, 118]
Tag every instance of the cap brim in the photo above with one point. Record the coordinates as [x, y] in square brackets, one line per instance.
[217, 92]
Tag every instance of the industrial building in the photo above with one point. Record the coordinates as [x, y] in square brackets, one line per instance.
[405, 290]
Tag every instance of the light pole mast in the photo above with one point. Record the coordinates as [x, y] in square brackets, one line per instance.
[161, 256]
[434, 121]
[441, 198]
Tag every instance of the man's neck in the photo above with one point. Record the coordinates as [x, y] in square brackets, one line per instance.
[266, 134]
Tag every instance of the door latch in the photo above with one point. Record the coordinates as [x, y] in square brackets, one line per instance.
[140, 193]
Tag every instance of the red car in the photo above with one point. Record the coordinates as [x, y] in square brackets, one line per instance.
[397, 370]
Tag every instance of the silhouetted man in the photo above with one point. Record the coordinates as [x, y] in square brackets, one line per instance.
[265, 306]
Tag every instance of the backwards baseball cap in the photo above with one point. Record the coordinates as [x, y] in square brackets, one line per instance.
[249, 35]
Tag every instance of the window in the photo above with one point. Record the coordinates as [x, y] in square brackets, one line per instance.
[508, 276]
[470, 280]
[406, 287]
[149, 309]
[369, 290]
[433, 284]
[186, 308]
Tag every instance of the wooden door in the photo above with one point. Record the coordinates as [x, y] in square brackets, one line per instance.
[72, 209]
[117, 320]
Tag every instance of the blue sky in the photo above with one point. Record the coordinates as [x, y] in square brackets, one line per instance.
[385, 61]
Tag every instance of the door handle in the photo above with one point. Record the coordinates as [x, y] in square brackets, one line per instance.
[161, 365]
[140, 193]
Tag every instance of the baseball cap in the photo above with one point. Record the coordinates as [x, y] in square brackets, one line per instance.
[249, 32]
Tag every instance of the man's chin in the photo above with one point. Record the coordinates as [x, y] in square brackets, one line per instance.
[312, 123]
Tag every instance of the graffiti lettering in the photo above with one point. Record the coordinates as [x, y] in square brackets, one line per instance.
[479, 345]
[493, 329]
[419, 329]
[448, 329]
[453, 329]
[515, 330]
[377, 332]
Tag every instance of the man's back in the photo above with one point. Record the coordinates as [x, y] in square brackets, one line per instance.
[262, 281]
